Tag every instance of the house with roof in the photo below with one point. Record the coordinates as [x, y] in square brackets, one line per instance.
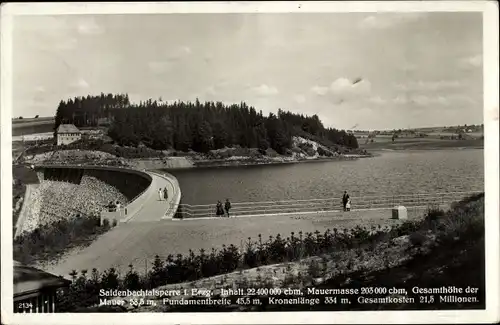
[67, 133]
[35, 290]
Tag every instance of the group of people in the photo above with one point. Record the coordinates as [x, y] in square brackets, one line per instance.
[114, 206]
[163, 193]
[223, 210]
[346, 201]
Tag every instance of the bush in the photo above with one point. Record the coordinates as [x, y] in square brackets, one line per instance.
[433, 213]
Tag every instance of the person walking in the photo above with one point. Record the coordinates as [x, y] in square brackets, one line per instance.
[160, 194]
[165, 193]
[348, 205]
[219, 209]
[345, 198]
[227, 206]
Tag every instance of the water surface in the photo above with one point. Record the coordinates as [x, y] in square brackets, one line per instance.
[391, 173]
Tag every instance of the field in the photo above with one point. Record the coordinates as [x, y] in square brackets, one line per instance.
[431, 141]
[32, 125]
[402, 144]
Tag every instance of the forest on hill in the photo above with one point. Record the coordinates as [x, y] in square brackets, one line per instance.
[195, 125]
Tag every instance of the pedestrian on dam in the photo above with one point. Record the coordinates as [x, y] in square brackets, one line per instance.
[345, 198]
[160, 194]
[348, 205]
[219, 209]
[227, 206]
[165, 193]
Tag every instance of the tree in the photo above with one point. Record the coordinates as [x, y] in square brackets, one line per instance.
[195, 125]
[36, 116]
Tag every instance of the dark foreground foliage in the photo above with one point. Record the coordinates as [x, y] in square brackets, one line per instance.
[194, 125]
[51, 240]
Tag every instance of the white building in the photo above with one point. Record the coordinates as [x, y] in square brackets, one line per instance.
[67, 133]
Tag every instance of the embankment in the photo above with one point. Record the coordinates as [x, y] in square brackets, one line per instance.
[64, 191]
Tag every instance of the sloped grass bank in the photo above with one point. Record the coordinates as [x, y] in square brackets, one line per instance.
[49, 242]
[445, 248]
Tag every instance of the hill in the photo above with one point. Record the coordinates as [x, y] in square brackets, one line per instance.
[197, 126]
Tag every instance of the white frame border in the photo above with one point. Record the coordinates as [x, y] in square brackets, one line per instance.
[491, 146]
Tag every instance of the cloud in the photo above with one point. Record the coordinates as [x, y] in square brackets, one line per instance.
[423, 100]
[210, 91]
[344, 86]
[89, 27]
[66, 44]
[158, 66]
[265, 90]
[433, 85]
[80, 84]
[377, 100]
[472, 61]
[400, 100]
[383, 21]
[344, 89]
[319, 90]
[178, 52]
[299, 98]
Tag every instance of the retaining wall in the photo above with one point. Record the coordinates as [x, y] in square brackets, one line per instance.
[131, 183]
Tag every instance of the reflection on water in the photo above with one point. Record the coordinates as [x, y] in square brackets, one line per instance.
[391, 173]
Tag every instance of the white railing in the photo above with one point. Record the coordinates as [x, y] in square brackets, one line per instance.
[324, 205]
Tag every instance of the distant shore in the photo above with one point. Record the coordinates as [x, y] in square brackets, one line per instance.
[271, 161]
[424, 144]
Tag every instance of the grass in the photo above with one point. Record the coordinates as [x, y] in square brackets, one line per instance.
[22, 127]
[50, 241]
[424, 143]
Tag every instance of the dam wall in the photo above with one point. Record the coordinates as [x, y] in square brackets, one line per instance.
[66, 191]
[129, 182]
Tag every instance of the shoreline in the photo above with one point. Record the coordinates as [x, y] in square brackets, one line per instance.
[251, 162]
[197, 160]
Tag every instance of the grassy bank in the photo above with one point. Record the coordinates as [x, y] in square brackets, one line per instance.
[423, 253]
[50, 241]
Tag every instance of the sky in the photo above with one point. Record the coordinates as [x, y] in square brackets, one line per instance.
[413, 69]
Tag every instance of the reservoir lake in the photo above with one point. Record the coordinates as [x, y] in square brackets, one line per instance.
[390, 173]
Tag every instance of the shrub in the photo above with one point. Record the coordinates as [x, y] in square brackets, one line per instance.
[417, 238]
[433, 213]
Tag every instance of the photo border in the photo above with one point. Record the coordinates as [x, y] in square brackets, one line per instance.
[491, 172]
